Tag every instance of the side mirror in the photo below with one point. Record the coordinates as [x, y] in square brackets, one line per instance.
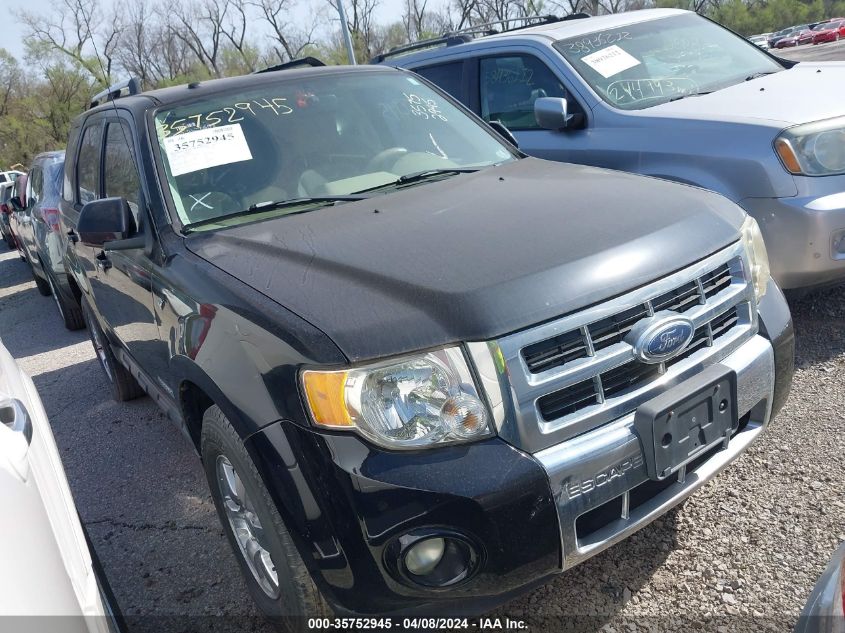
[16, 203]
[552, 113]
[504, 132]
[105, 220]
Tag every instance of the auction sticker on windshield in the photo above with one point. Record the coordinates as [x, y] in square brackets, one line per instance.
[201, 149]
[610, 61]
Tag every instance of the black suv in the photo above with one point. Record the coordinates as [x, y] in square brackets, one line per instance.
[423, 372]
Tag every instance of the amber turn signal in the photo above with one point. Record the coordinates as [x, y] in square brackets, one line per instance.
[326, 397]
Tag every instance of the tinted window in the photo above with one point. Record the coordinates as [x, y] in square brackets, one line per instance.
[511, 85]
[447, 76]
[120, 178]
[88, 165]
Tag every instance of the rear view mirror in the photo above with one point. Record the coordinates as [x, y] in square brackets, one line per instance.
[552, 113]
[105, 220]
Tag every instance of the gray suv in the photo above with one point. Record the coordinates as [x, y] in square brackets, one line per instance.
[668, 93]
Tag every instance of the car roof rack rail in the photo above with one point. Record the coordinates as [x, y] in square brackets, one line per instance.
[313, 62]
[132, 86]
[462, 36]
[488, 28]
[445, 40]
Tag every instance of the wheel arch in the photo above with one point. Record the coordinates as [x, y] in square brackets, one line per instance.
[197, 392]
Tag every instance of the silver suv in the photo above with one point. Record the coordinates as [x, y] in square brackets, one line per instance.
[671, 94]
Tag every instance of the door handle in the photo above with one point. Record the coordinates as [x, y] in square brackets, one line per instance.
[14, 415]
[72, 236]
[102, 262]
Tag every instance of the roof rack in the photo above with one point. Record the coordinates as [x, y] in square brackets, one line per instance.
[528, 21]
[446, 40]
[296, 63]
[462, 36]
[132, 86]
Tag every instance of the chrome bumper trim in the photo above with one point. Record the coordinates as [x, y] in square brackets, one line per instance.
[603, 464]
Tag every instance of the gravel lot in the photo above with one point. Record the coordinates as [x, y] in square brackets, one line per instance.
[741, 555]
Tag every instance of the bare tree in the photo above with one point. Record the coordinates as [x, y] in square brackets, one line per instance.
[360, 15]
[75, 28]
[288, 41]
[200, 24]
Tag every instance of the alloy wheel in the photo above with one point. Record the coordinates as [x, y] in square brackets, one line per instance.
[247, 528]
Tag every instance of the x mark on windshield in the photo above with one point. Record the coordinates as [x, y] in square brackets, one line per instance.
[305, 204]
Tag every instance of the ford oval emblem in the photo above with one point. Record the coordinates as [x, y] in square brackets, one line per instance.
[664, 339]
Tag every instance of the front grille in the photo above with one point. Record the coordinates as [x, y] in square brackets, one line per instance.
[575, 373]
[570, 346]
[631, 375]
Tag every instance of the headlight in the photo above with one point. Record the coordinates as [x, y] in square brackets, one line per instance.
[758, 259]
[415, 402]
[814, 149]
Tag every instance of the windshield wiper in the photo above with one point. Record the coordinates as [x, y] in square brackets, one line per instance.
[762, 74]
[271, 205]
[420, 176]
[689, 94]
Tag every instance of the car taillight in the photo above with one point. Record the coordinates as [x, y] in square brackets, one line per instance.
[51, 217]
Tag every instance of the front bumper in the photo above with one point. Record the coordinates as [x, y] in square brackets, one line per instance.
[599, 479]
[805, 238]
[344, 501]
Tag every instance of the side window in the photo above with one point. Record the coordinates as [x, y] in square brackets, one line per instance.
[33, 187]
[120, 178]
[67, 184]
[88, 164]
[449, 77]
[509, 87]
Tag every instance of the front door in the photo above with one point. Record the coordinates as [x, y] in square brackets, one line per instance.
[123, 288]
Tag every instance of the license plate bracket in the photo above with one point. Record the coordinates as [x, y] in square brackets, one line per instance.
[686, 420]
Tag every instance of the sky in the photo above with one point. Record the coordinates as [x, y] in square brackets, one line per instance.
[15, 33]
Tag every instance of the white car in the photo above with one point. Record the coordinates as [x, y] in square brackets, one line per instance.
[9, 176]
[761, 40]
[47, 567]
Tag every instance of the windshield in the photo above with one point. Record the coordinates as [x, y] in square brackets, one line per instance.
[319, 137]
[642, 65]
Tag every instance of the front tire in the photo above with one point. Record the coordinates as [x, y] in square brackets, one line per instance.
[273, 570]
[123, 384]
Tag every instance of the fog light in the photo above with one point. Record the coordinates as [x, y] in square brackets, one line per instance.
[423, 557]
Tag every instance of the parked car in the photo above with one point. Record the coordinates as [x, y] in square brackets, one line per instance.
[825, 608]
[760, 40]
[37, 229]
[9, 176]
[17, 202]
[5, 214]
[392, 338]
[621, 91]
[806, 36]
[789, 41]
[48, 568]
[790, 31]
[828, 32]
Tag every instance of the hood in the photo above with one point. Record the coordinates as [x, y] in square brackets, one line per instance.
[474, 256]
[809, 91]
